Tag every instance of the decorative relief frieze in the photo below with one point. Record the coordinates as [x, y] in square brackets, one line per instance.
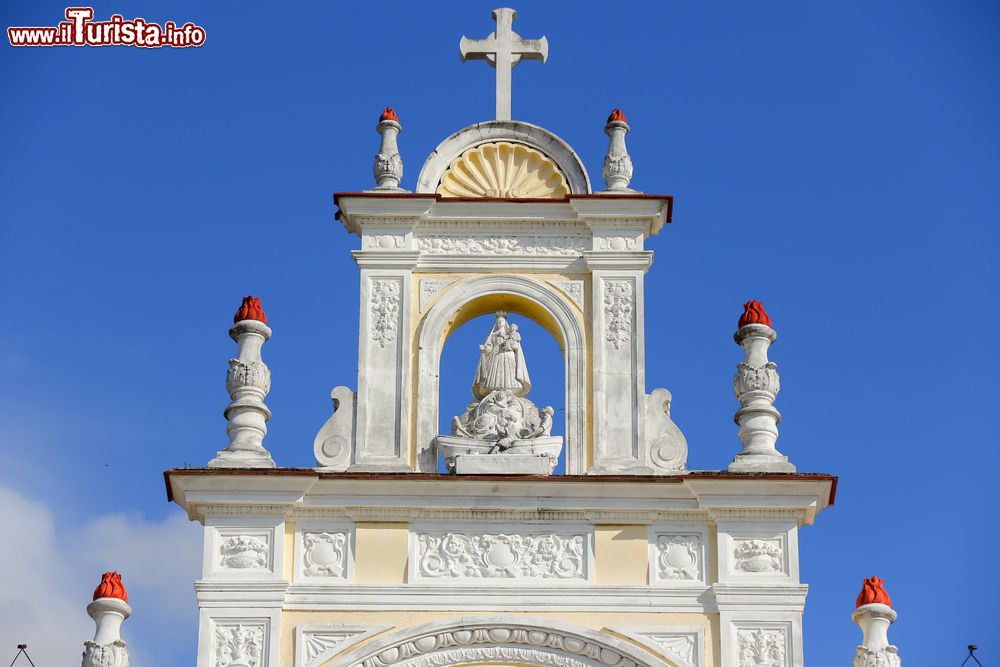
[526, 244]
[679, 557]
[429, 287]
[763, 378]
[239, 644]
[761, 647]
[243, 552]
[618, 312]
[500, 515]
[758, 555]
[385, 311]
[449, 555]
[324, 554]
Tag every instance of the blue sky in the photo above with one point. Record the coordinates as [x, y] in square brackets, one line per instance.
[839, 161]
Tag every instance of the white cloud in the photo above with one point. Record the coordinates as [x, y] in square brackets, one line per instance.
[50, 571]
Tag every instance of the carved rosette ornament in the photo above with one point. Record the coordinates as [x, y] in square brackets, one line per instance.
[756, 384]
[874, 615]
[617, 168]
[388, 167]
[248, 381]
[109, 610]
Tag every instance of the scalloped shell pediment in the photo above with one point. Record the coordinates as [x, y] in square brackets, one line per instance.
[506, 170]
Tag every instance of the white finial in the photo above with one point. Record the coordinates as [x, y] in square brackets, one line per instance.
[874, 615]
[756, 385]
[617, 169]
[109, 610]
[248, 381]
[503, 50]
[388, 166]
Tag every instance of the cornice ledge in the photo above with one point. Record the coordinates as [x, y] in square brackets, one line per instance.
[776, 514]
[628, 260]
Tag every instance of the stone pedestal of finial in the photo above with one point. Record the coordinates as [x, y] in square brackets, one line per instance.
[388, 168]
[248, 381]
[617, 163]
[874, 615]
[109, 610]
[756, 385]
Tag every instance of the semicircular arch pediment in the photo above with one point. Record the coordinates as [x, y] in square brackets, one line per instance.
[499, 640]
[549, 145]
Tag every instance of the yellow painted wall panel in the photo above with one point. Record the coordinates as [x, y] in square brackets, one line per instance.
[381, 551]
[620, 555]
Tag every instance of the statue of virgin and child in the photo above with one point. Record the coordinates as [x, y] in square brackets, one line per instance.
[501, 412]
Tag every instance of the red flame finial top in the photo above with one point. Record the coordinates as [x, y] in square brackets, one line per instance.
[872, 591]
[111, 587]
[754, 313]
[389, 114]
[250, 309]
[617, 114]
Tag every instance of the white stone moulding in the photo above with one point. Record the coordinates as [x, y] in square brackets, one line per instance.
[315, 644]
[681, 645]
[678, 555]
[324, 551]
[502, 554]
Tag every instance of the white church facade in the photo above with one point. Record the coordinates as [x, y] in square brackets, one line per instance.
[406, 546]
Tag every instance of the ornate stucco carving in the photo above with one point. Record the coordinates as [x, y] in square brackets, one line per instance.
[573, 289]
[666, 446]
[678, 557]
[758, 555]
[114, 654]
[498, 641]
[452, 555]
[324, 554]
[681, 647]
[431, 286]
[501, 244]
[238, 644]
[618, 312]
[884, 657]
[385, 311]
[761, 647]
[332, 445]
[243, 552]
[503, 169]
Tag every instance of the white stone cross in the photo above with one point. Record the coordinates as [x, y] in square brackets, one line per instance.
[503, 50]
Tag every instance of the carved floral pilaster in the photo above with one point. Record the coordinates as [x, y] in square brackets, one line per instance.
[761, 647]
[618, 296]
[385, 295]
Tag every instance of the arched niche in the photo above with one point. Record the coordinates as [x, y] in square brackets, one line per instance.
[499, 640]
[471, 298]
